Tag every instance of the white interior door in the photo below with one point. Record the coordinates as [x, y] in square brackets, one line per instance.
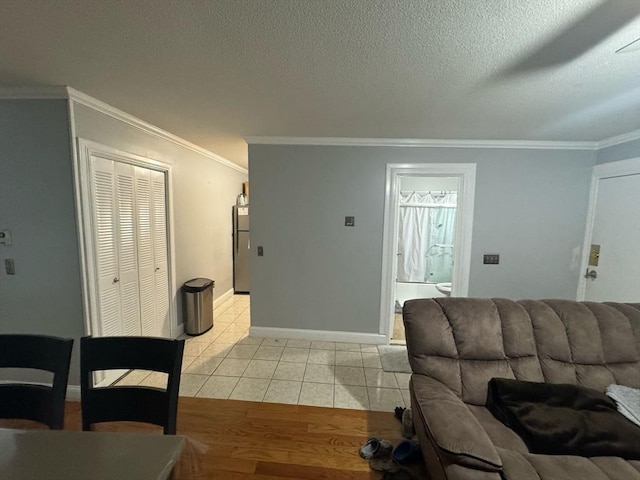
[145, 252]
[106, 247]
[616, 229]
[127, 248]
[105, 230]
[161, 270]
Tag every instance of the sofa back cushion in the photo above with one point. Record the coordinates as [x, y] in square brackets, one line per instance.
[464, 342]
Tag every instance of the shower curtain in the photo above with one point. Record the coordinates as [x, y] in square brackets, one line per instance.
[426, 236]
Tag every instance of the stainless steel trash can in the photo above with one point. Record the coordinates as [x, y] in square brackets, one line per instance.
[197, 305]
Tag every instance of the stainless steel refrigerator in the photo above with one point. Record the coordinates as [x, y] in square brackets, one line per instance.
[241, 249]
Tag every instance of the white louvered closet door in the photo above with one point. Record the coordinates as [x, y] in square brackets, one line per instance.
[145, 252]
[130, 233]
[161, 270]
[127, 248]
[106, 247]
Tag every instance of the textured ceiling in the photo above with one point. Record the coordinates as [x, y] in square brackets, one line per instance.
[215, 71]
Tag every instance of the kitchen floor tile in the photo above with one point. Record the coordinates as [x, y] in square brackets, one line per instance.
[403, 380]
[204, 365]
[290, 371]
[260, 369]
[371, 360]
[350, 396]
[218, 387]
[250, 389]
[324, 345]
[376, 377]
[218, 350]
[351, 347]
[350, 376]
[268, 352]
[322, 357]
[190, 384]
[318, 394]
[295, 343]
[349, 359]
[283, 391]
[319, 373]
[232, 367]
[274, 342]
[297, 355]
[384, 399]
[243, 351]
[231, 337]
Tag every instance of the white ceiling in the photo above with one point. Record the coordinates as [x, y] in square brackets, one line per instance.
[213, 72]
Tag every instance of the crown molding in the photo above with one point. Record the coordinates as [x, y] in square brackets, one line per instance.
[33, 93]
[411, 142]
[88, 101]
[73, 95]
[618, 139]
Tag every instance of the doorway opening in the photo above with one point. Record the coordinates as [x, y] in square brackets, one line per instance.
[427, 237]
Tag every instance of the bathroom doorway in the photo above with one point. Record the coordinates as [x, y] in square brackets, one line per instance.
[428, 217]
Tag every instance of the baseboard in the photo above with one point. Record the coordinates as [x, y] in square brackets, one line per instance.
[223, 298]
[318, 335]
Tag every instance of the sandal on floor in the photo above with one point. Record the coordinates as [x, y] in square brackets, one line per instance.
[376, 448]
[407, 424]
[407, 451]
[384, 464]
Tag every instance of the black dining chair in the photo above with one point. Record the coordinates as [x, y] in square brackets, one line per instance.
[130, 403]
[34, 401]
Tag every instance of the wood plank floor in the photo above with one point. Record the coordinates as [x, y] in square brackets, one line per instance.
[236, 440]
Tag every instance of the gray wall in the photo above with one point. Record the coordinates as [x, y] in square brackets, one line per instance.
[37, 204]
[204, 191]
[530, 207]
[622, 151]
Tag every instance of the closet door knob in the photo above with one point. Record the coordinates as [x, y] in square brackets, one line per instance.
[157, 268]
[116, 280]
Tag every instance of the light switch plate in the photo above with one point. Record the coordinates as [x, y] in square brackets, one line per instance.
[349, 221]
[491, 259]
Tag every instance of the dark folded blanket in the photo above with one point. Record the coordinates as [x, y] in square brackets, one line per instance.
[563, 419]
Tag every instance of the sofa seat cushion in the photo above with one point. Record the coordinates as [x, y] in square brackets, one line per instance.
[528, 466]
[501, 435]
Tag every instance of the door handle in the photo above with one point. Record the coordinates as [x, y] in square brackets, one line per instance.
[157, 268]
[116, 280]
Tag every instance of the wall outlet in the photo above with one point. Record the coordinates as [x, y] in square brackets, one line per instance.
[491, 259]
[10, 266]
[349, 221]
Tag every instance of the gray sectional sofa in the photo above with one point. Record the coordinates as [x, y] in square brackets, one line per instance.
[456, 345]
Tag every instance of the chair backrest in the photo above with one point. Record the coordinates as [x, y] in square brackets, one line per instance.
[130, 403]
[42, 403]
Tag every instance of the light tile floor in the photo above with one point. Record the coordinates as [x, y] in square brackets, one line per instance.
[227, 363]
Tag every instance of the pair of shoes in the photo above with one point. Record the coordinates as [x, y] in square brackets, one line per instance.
[407, 451]
[376, 448]
[407, 424]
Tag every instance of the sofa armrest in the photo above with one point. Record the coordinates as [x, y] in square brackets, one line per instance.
[451, 426]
